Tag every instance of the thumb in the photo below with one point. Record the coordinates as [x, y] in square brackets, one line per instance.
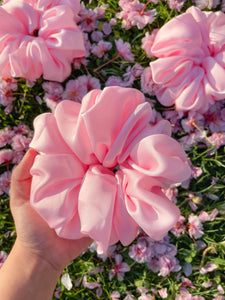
[21, 179]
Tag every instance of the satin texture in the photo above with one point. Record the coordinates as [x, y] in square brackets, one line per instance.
[190, 67]
[39, 38]
[101, 167]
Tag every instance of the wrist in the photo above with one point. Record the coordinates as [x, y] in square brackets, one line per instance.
[28, 275]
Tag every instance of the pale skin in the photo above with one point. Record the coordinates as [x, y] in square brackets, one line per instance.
[38, 256]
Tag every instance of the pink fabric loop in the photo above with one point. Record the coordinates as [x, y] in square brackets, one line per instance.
[152, 158]
[103, 163]
[190, 66]
[38, 41]
[147, 205]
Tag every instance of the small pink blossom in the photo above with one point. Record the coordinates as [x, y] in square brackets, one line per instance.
[195, 227]
[97, 36]
[207, 284]
[124, 50]
[3, 256]
[5, 180]
[6, 155]
[20, 143]
[88, 19]
[179, 228]
[140, 251]
[133, 13]
[106, 28]
[146, 297]
[115, 295]
[90, 285]
[74, 91]
[5, 136]
[217, 139]
[119, 268]
[66, 281]
[220, 289]
[201, 4]
[168, 264]
[58, 292]
[100, 49]
[163, 293]
[176, 4]
[204, 216]
[171, 193]
[208, 268]
[148, 41]
[147, 84]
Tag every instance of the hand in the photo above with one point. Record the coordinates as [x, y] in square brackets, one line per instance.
[33, 233]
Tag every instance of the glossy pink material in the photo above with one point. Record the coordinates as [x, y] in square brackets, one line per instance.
[39, 37]
[101, 167]
[190, 67]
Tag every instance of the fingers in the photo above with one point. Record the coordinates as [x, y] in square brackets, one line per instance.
[22, 171]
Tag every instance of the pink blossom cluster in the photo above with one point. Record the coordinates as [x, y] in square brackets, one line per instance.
[133, 13]
[194, 224]
[14, 142]
[159, 255]
[7, 86]
[75, 90]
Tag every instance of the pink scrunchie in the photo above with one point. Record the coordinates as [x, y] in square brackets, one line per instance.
[38, 39]
[190, 68]
[101, 167]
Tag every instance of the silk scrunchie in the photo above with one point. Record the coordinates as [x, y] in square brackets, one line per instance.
[190, 68]
[38, 39]
[101, 167]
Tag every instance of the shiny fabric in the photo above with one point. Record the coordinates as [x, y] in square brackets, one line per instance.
[101, 167]
[39, 37]
[190, 68]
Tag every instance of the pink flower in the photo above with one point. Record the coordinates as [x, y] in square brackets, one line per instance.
[176, 4]
[163, 293]
[134, 14]
[6, 155]
[147, 42]
[115, 295]
[195, 226]
[179, 228]
[5, 179]
[89, 285]
[100, 49]
[190, 64]
[109, 163]
[39, 39]
[20, 143]
[119, 268]
[140, 251]
[123, 49]
[3, 256]
[208, 268]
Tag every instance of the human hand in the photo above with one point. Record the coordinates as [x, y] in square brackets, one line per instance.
[33, 233]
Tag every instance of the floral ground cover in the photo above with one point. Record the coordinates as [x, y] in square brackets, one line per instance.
[171, 51]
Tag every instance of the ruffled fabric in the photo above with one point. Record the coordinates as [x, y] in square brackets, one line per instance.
[39, 37]
[101, 167]
[190, 68]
